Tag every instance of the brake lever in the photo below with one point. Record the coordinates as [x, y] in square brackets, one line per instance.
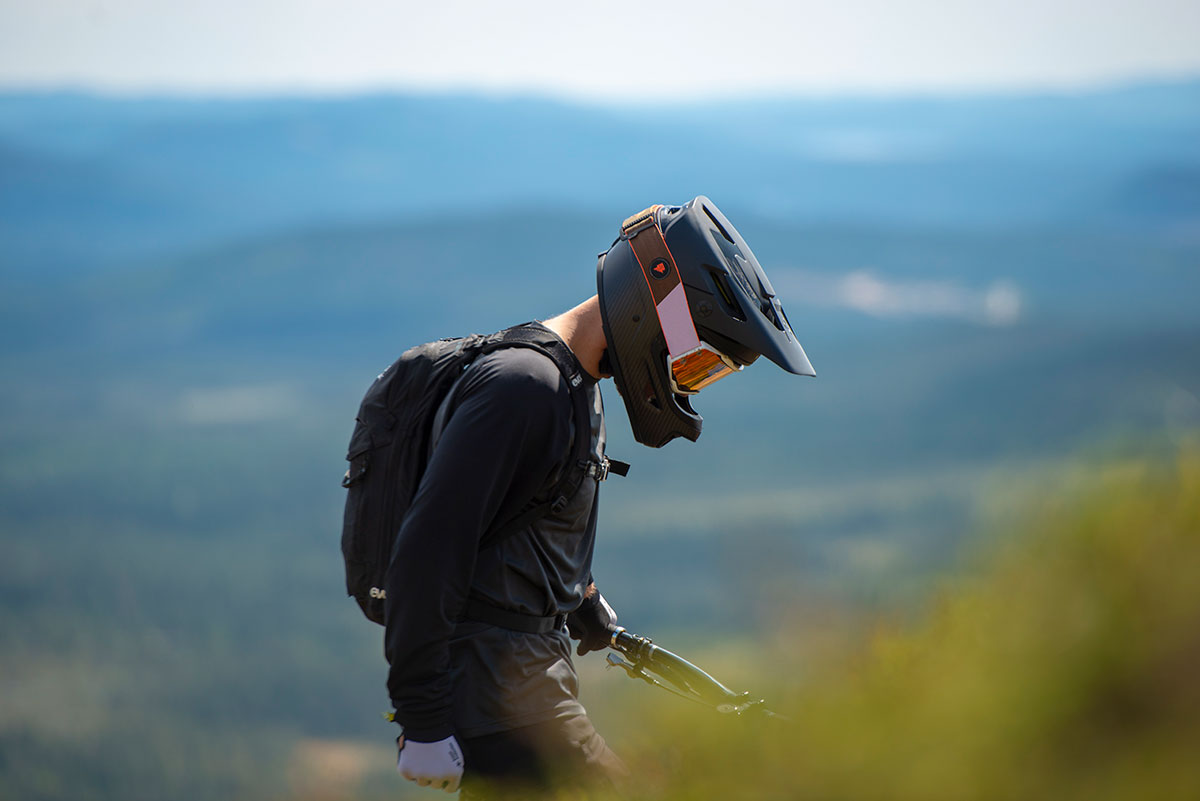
[634, 671]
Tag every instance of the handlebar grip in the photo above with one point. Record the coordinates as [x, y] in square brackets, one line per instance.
[672, 667]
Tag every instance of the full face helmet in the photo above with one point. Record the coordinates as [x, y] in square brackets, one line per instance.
[685, 303]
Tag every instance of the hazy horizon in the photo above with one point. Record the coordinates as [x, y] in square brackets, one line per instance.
[589, 53]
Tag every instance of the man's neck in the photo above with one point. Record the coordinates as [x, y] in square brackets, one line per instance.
[583, 332]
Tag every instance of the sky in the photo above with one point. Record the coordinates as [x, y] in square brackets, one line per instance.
[582, 49]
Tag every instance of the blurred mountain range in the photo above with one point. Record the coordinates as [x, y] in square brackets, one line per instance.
[91, 178]
[195, 293]
[977, 279]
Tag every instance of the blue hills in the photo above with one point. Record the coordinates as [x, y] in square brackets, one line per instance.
[311, 239]
[90, 179]
[1006, 249]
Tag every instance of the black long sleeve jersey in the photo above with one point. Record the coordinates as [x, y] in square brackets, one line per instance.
[507, 435]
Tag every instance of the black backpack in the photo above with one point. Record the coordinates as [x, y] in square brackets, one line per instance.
[391, 442]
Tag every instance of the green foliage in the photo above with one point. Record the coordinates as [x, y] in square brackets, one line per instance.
[1063, 667]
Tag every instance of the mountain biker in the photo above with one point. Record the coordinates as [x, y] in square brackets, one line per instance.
[481, 674]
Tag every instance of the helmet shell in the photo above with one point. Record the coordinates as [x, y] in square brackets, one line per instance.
[731, 301]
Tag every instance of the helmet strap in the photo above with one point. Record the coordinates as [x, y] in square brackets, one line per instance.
[662, 277]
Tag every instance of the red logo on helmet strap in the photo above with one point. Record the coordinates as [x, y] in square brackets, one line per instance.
[659, 268]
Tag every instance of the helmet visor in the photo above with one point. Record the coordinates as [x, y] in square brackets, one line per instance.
[699, 367]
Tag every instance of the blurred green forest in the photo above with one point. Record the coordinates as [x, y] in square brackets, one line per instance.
[195, 294]
[1058, 662]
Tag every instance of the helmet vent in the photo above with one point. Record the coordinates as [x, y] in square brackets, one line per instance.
[786, 321]
[720, 227]
[725, 293]
[768, 310]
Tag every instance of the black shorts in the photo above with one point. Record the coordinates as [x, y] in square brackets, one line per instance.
[564, 752]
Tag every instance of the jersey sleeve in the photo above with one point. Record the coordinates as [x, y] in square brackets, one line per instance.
[507, 433]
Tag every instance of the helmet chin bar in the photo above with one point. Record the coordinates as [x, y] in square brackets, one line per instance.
[686, 403]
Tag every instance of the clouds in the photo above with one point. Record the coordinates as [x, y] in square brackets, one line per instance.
[238, 404]
[1000, 303]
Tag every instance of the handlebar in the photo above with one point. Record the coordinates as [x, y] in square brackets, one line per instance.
[662, 668]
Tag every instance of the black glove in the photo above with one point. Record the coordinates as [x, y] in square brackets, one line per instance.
[592, 624]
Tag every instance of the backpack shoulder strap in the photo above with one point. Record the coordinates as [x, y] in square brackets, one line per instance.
[580, 464]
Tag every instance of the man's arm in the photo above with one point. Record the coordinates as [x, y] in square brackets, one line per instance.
[510, 428]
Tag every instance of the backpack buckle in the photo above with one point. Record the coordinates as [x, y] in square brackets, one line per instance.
[600, 470]
[597, 470]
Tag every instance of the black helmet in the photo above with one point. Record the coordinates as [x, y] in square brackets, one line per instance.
[685, 303]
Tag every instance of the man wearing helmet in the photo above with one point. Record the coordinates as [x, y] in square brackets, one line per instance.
[685, 303]
[481, 673]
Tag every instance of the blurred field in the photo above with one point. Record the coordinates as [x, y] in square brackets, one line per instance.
[1062, 663]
